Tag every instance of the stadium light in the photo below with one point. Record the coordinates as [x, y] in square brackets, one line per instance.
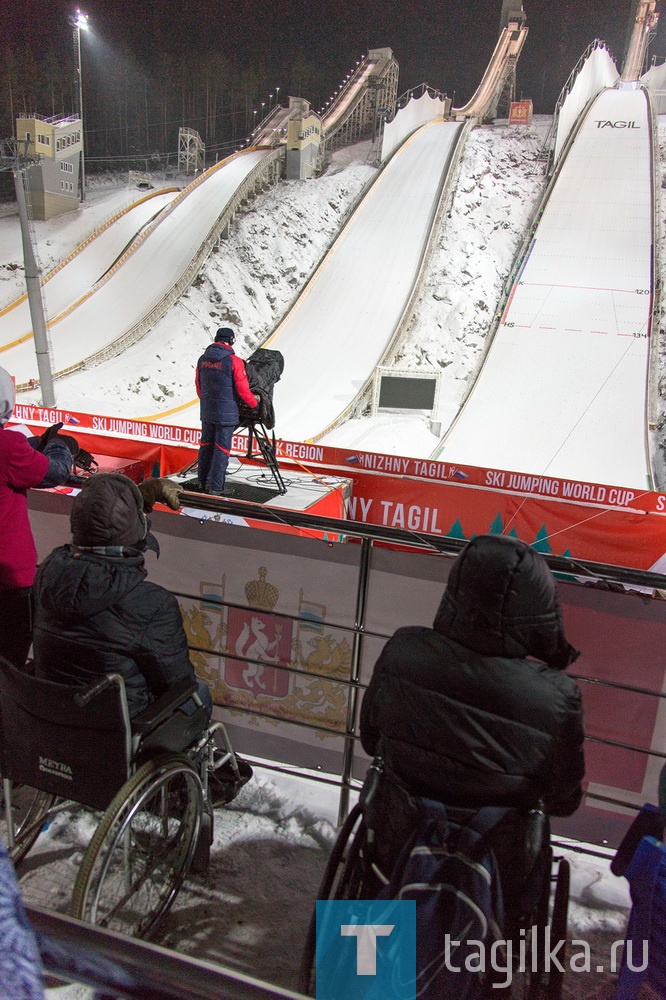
[79, 22]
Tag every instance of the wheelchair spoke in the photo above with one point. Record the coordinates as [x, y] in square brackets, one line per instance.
[30, 808]
[141, 851]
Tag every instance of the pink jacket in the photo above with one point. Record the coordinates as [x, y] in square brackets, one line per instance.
[20, 468]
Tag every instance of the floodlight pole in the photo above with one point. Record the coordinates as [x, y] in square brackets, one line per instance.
[34, 295]
[83, 156]
[78, 21]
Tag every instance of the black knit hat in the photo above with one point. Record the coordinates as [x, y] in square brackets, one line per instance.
[108, 511]
[225, 334]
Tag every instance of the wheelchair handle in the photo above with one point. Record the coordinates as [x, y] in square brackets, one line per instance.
[81, 699]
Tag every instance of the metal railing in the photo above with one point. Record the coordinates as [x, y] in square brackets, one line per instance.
[549, 142]
[368, 535]
[80, 953]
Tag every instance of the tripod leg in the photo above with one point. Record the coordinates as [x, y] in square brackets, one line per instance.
[268, 454]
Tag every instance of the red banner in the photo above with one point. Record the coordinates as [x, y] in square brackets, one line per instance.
[592, 521]
[520, 113]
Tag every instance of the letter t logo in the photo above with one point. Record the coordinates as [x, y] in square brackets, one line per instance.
[366, 944]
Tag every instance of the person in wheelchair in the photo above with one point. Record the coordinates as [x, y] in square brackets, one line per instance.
[96, 614]
[477, 710]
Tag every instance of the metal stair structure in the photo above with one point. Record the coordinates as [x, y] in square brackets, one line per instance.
[356, 112]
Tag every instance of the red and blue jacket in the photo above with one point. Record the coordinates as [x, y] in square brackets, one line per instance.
[221, 381]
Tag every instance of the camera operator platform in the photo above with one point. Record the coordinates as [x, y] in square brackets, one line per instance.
[235, 396]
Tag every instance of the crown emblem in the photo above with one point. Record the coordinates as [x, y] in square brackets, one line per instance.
[261, 595]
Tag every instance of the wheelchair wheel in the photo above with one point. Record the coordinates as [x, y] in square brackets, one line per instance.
[330, 888]
[142, 848]
[548, 984]
[30, 807]
[558, 925]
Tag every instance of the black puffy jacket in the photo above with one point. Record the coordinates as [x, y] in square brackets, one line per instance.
[460, 713]
[97, 614]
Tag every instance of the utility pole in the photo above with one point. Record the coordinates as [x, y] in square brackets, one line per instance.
[11, 159]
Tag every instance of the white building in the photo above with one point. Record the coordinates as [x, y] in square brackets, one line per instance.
[53, 183]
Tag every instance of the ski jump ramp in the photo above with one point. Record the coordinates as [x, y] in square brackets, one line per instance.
[144, 277]
[352, 306]
[507, 52]
[81, 271]
[563, 388]
[343, 322]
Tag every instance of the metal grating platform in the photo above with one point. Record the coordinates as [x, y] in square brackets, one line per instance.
[237, 491]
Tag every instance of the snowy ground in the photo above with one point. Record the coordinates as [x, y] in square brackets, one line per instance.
[273, 248]
[275, 245]
[251, 912]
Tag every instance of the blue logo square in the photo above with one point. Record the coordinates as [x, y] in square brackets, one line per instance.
[366, 949]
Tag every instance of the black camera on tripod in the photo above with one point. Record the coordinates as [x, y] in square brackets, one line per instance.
[264, 368]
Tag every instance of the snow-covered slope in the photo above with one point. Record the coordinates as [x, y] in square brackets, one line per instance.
[562, 391]
[272, 250]
[76, 275]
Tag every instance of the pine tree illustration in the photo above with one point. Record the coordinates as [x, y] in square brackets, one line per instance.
[541, 543]
[497, 527]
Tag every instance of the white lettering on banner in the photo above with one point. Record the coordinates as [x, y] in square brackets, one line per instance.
[568, 490]
[418, 518]
[22, 412]
[584, 491]
[50, 416]
[127, 427]
[307, 452]
[140, 428]
[660, 502]
[430, 470]
[165, 433]
[533, 484]
[621, 498]
[384, 463]
[364, 504]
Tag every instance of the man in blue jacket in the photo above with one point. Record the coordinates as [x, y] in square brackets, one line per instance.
[221, 381]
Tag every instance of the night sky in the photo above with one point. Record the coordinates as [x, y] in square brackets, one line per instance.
[446, 43]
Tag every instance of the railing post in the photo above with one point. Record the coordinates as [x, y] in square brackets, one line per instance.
[354, 677]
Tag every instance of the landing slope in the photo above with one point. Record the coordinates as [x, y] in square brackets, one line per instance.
[74, 277]
[144, 277]
[563, 388]
[344, 321]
